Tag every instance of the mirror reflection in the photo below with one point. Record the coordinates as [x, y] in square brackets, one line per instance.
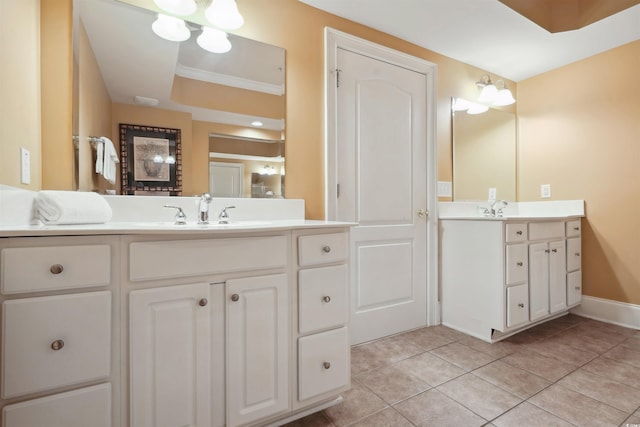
[231, 104]
[484, 153]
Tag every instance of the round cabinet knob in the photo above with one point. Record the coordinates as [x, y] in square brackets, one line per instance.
[56, 269]
[577, 253]
[423, 213]
[326, 249]
[235, 297]
[326, 298]
[203, 302]
[521, 305]
[520, 263]
[57, 345]
[326, 365]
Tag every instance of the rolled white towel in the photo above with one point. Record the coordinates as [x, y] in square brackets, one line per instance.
[71, 207]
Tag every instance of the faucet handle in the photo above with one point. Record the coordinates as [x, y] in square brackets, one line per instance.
[181, 217]
[223, 217]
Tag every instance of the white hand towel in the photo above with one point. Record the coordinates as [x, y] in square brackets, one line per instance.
[110, 160]
[99, 157]
[71, 207]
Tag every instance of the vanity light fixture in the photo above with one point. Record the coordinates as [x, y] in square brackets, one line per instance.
[268, 170]
[214, 40]
[224, 14]
[177, 7]
[257, 123]
[459, 104]
[490, 94]
[504, 95]
[171, 28]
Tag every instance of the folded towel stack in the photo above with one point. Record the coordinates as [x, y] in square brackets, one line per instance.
[71, 207]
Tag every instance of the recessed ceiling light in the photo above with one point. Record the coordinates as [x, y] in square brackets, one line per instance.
[143, 100]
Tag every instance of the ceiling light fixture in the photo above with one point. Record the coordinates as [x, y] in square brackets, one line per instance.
[177, 7]
[171, 28]
[490, 94]
[257, 123]
[224, 14]
[214, 40]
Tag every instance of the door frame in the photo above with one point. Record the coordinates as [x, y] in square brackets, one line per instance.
[335, 39]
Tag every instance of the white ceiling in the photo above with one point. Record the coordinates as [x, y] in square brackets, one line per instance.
[486, 33]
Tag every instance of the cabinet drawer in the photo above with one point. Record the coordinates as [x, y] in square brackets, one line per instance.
[546, 230]
[323, 363]
[54, 341]
[574, 253]
[573, 228]
[517, 264]
[574, 288]
[55, 267]
[322, 295]
[517, 305]
[515, 232]
[184, 258]
[322, 249]
[89, 406]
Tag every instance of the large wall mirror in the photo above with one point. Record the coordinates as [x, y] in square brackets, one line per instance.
[234, 102]
[484, 153]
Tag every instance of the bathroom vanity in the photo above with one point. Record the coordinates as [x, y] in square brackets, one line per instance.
[501, 275]
[150, 324]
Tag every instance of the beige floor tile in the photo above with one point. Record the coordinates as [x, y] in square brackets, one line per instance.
[482, 397]
[529, 415]
[562, 352]
[614, 370]
[463, 356]
[447, 332]
[632, 421]
[632, 343]
[392, 384]
[318, 419]
[514, 380]
[577, 408]
[498, 349]
[433, 408]
[427, 339]
[608, 327]
[571, 338]
[589, 330]
[611, 392]
[625, 355]
[538, 364]
[386, 418]
[359, 402]
[429, 368]
[365, 358]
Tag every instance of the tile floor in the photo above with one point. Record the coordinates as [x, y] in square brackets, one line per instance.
[570, 371]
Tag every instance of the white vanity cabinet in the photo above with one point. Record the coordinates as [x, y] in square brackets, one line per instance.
[502, 276]
[59, 352]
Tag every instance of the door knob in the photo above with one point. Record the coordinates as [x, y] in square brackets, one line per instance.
[423, 213]
[235, 297]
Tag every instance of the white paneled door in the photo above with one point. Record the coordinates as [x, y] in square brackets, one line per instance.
[381, 183]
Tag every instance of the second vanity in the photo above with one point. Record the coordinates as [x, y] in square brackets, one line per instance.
[135, 325]
[501, 275]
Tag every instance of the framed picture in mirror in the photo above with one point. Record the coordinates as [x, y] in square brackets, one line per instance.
[151, 160]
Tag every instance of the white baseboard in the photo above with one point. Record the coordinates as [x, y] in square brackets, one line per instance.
[617, 313]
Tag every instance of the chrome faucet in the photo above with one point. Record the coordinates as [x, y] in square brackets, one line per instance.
[495, 208]
[223, 218]
[203, 208]
[180, 218]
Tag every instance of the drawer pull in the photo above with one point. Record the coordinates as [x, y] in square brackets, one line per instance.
[326, 298]
[577, 288]
[326, 365]
[576, 228]
[235, 297]
[203, 302]
[326, 249]
[519, 232]
[521, 305]
[546, 251]
[57, 345]
[554, 250]
[519, 263]
[577, 253]
[56, 269]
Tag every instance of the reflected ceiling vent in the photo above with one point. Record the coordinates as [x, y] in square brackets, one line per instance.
[145, 101]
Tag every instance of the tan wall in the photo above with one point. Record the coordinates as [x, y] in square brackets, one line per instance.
[579, 130]
[20, 89]
[57, 63]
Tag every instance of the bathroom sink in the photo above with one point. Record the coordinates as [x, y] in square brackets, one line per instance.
[193, 225]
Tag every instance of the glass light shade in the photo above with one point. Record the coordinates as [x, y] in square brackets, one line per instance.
[214, 40]
[460, 104]
[158, 159]
[177, 7]
[504, 97]
[170, 160]
[488, 93]
[170, 28]
[477, 109]
[224, 14]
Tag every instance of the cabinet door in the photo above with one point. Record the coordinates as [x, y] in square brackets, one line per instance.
[574, 260]
[257, 348]
[557, 277]
[170, 356]
[574, 288]
[516, 263]
[538, 280]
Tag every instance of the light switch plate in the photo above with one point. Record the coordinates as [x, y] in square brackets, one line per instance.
[25, 166]
[545, 191]
[444, 188]
[492, 193]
